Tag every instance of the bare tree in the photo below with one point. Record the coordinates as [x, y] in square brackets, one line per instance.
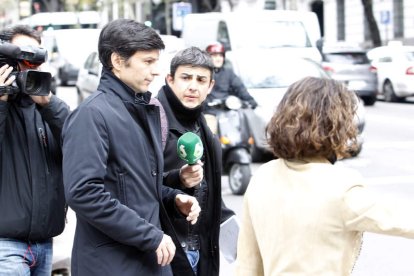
[372, 23]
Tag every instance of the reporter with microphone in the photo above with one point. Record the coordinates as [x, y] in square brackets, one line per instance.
[192, 162]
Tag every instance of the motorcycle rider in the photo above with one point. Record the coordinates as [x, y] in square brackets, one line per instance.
[226, 81]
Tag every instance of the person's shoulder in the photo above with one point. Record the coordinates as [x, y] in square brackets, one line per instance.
[266, 170]
[227, 69]
[92, 106]
[340, 169]
[95, 100]
[337, 176]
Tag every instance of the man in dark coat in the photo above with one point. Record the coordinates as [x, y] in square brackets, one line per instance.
[32, 201]
[113, 163]
[188, 84]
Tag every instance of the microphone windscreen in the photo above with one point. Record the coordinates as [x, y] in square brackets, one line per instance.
[190, 147]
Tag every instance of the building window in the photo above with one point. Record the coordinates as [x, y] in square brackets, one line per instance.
[340, 11]
[398, 18]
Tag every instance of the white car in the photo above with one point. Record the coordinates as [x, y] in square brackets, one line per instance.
[395, 70]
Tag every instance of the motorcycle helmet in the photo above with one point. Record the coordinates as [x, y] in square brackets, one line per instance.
[216, 48]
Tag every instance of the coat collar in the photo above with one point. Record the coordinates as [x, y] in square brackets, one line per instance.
[109, 82]
[305, 163]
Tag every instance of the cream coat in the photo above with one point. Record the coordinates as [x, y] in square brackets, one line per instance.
[307, 218]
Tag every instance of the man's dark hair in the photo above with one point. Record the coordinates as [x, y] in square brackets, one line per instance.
[125, 37]
[194, 57]
[9, 33]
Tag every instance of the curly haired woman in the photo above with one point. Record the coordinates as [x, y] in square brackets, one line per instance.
[303, 214]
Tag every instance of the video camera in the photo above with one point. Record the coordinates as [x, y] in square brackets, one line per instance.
[31, 82]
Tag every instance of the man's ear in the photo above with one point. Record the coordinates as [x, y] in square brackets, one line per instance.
[210, 88]
[169, 79]
[116, 61]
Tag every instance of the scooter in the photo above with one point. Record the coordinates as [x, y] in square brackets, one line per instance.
[227, 120]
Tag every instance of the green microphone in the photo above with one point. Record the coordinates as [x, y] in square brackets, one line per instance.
[190, 148]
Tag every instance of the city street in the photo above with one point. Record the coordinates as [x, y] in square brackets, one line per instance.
[385, 161]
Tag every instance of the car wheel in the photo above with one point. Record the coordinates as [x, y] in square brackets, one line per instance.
[389, 94]
[369, 100]
[239, 178]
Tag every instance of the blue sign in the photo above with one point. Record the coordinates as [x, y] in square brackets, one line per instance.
[180, 10]
[385, 17]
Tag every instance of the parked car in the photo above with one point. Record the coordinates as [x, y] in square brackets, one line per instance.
[68, 49]
[90, 73]
[267, 77]
[395, 70]
[352, 66]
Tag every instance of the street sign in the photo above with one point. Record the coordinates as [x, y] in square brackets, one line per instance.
[179, 10]
[385, 17]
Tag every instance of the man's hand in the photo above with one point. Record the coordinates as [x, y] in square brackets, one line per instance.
[188, 206]
[42, 100]
[5, 71]
[191, 175]
[165, 251]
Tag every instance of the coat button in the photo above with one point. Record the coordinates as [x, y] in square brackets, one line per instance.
[183, 245]
[154, 173]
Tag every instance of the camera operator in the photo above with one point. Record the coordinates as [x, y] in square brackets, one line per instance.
[32, 203]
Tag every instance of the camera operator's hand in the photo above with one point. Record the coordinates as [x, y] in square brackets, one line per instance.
[5, 71]
[42, 100]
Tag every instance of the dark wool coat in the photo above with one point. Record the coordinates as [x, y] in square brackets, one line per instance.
[214, 211]
[113, 176]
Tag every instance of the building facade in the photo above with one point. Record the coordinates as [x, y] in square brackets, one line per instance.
[341, 20]
[344, 20]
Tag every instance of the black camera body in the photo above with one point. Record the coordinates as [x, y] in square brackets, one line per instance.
[31, 82]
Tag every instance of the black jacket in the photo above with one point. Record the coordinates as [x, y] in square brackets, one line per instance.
[228, 83]
[32, 202]
[113, 168]
[181, 120]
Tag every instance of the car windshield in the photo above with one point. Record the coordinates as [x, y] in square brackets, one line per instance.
[346, 58]
[272, 34]
[271, 75]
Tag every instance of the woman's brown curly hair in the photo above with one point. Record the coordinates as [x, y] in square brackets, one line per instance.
[314, 119]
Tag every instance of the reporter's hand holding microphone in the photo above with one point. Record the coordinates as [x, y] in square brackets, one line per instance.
[190, 149]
